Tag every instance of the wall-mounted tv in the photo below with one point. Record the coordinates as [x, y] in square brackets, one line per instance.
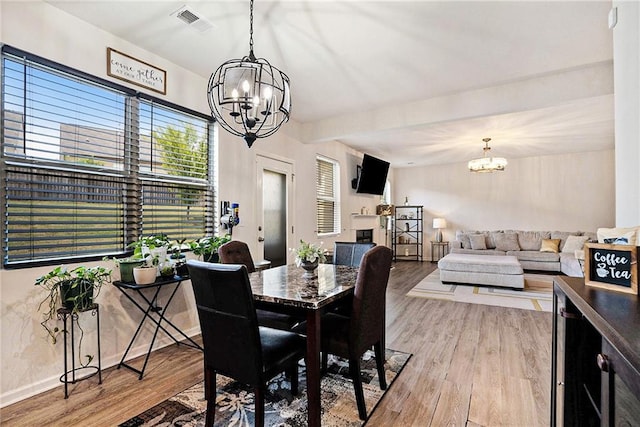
[372, 176]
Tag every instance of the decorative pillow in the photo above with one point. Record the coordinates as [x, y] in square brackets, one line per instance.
[464, 238]
[610, 235]
[506, 241]
[574, 243]
[562, 235]
[550, 245]
[531, 240]
[488, 238]
[477, 241]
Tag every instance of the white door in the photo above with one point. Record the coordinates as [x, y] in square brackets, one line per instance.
[274, 207]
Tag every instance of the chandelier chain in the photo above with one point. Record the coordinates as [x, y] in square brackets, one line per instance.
[251, 27]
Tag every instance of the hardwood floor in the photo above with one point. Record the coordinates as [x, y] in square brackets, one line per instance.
[472, 365]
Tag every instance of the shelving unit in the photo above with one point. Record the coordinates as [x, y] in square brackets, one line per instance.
[407, 237]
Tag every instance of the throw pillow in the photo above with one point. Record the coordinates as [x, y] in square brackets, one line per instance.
[464, 239]
[562, 235]
[574, 243]
[550, 245]
[506, 241]
[531, 240]
[610, 235]
[477, 241]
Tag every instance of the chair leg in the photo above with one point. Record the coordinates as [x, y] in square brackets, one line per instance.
[354, 369]
[210, 396]
[325, 362]
[379, 350]
[293, 375]
[259, 401]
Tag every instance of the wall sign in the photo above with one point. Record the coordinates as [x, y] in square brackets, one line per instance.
[127, 68]
[613, 267]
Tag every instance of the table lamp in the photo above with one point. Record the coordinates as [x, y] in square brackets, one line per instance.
[439, 223]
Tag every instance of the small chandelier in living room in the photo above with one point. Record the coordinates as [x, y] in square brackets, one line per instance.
[487, 163]
[249, 97]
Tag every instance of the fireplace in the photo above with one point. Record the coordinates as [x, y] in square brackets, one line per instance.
[364, 236]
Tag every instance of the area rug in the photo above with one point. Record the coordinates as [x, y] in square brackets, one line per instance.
[235, 407]
[537, 293]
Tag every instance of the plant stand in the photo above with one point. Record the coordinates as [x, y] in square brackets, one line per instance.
[69, 375]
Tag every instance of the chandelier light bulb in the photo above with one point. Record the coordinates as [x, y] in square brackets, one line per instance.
[234, 94]
[267, 93]
[245, 87]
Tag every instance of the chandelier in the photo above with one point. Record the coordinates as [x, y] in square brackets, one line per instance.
[249, 97]
[487, 164]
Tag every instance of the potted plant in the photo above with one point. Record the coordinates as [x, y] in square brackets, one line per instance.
[207, 247]
[308, 256]
[126, 266]
[155, 245]
[146, 273]
[75, 290]
[178, 259]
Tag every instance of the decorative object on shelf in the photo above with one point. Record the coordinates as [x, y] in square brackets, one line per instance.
[74, 290]
[385, 210]
[487, 164]
[249, 97]
[438, 225]
[612, 267]
[308, 256]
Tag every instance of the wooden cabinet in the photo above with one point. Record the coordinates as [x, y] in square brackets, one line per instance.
[595, 375]
[407, 236]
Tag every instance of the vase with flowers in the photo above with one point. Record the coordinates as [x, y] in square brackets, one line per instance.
[308, 256]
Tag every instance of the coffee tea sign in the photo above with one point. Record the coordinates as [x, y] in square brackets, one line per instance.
[613, 267]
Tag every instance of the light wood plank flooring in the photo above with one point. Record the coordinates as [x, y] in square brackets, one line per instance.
[473, 365]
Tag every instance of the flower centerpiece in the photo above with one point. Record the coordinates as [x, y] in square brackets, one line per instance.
[308, 256]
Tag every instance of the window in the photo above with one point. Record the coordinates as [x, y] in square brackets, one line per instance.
[88, 166]
[327, 196]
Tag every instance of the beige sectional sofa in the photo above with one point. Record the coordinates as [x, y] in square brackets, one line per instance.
[553, 251]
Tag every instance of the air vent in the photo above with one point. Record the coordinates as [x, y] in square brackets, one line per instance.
[193, 19]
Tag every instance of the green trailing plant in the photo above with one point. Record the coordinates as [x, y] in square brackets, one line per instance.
[207, 247]
[74, 290]
[152, 241]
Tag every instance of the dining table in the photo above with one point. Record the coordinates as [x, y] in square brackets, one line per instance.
[283, 289]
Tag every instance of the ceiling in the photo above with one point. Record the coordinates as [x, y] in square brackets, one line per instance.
[412, 82]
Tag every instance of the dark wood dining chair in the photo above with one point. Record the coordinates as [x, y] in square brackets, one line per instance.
[351, 336]
[237, 252]
[234, 344]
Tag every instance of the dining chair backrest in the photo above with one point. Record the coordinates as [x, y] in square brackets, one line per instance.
[367, 315]
[228, 321]
[350, 253]
[236, 252]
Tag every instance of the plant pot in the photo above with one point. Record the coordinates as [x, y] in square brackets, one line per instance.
[182, 269]
[145, 275]
[76, 294]
[309, 269]
[212, 257]
[126, 269]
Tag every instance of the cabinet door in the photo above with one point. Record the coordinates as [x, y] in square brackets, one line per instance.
[558, 360]
[620, 389]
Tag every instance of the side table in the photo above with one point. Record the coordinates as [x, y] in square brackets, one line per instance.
[438, 250]
[154, 313]
[65, 314]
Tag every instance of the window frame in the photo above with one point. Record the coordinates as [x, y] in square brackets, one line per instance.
[333, 198]
[134, 180]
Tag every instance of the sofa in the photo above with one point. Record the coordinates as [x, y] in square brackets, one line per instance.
[553, 251]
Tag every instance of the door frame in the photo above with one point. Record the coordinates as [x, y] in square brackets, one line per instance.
[284, 166]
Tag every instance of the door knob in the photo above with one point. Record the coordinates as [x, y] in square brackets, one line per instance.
[260, 239]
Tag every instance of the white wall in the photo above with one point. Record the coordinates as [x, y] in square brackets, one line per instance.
[565, 192]
[626, 50]
[30, 364]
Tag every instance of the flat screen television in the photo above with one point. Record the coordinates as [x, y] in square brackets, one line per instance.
[373, 176]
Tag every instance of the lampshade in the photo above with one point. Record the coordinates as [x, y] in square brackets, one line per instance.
[439, 223]
[487, 164]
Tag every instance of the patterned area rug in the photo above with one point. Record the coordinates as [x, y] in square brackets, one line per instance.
[235, 407]
[537, 293]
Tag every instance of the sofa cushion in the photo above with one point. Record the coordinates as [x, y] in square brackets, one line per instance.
[477, 252]
[535, 256]
[574, 243]
[550, 245]
[562, 235]
[478, 241]
[489, 242]
[531, 240]
[506, 241]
